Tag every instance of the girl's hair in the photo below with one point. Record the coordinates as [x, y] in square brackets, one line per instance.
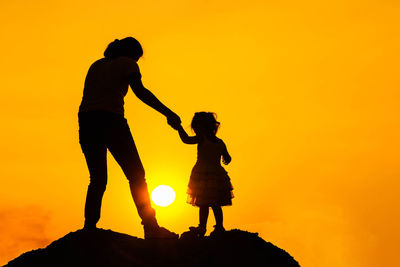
[205, 121]
[129, 47]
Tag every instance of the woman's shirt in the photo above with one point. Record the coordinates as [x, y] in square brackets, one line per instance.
[107, 84]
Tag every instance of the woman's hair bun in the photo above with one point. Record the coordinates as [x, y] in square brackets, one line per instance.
[129, 47]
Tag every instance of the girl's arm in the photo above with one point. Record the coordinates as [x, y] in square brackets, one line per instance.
[151, 100]
[186, 138]
[226, 158]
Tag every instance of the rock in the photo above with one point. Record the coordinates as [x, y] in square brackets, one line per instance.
[107, 248]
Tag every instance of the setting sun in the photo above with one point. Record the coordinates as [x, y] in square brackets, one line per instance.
[163, 195]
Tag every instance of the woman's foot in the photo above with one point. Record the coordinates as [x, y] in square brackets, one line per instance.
[218, 230]
[199, 231]
[159, 233]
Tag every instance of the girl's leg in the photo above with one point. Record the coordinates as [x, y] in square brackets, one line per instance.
[203, 216]
[218, 216]
[200, 230]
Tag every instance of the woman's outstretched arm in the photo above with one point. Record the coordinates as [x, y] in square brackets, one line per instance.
[185, 137]
[148, 98]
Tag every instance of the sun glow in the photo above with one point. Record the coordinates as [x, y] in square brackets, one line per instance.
[163, 195]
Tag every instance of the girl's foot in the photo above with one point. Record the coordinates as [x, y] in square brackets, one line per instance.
[218, 230]
[199, 231]
[89, 226]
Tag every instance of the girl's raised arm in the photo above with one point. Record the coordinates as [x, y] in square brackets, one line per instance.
[186, 138]
[226, 158]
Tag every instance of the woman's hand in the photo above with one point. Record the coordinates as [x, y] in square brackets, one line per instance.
[174, 121]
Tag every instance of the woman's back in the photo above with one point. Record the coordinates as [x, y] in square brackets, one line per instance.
[107, 84]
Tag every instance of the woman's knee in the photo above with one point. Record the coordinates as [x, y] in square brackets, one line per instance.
[136, 176]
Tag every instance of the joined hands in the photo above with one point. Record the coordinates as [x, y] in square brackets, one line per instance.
[174, 121]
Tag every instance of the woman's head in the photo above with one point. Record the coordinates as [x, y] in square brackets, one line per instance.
[128, 47]
[205, 123]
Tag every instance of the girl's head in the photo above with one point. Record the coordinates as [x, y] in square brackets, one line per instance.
[128, 47]
[205, 123]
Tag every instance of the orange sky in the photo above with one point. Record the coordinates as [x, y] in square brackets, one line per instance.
[307, 93]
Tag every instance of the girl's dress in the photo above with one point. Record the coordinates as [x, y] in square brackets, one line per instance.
[209, 183]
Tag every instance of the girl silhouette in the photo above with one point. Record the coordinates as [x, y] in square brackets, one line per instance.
[102, 126]
[209, 184]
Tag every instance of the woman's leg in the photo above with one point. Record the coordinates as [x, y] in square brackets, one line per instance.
[95, 151]
[97, 165]
[218, 216]
[122, 146]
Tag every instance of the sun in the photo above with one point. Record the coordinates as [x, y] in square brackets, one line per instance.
[163, 195]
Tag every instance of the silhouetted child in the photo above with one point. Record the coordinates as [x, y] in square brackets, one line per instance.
[209, 184]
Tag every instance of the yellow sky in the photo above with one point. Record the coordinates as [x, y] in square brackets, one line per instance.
[307, 94]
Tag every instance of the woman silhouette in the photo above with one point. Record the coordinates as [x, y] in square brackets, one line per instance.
[102, 126]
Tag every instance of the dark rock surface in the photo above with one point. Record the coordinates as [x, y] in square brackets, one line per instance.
[107, 248]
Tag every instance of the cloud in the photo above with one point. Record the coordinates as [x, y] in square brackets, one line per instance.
[22, 228]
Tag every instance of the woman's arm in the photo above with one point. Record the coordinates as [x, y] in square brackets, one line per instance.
[185, 137]
[226, 158]
[151, 100]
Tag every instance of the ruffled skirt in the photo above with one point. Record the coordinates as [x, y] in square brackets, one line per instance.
[210, 188]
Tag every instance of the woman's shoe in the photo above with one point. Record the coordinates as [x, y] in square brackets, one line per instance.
[159, 233]
[199, 231]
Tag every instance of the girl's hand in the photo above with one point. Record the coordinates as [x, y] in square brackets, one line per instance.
[226, 158]
[226, 161]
